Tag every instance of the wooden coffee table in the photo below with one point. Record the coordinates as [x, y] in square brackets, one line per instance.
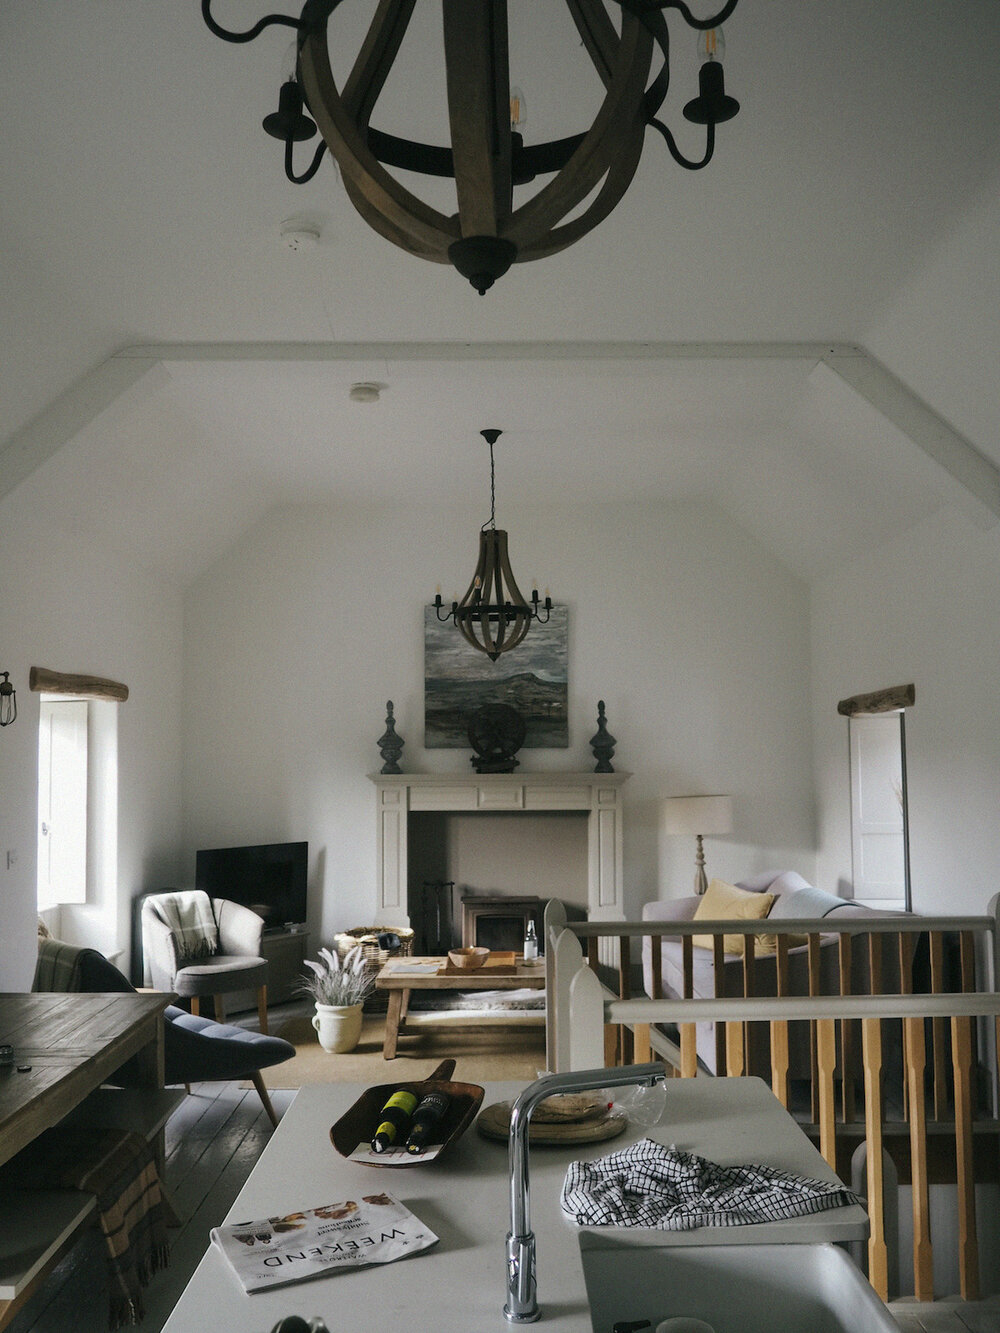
[401, 976]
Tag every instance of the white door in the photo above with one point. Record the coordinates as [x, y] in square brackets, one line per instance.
[878, 808]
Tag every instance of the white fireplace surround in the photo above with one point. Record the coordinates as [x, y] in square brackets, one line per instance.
[598, 794]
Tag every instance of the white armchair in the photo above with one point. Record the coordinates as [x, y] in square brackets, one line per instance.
[237, 965]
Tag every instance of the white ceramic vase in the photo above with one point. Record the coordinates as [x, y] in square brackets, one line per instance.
[338, 1026]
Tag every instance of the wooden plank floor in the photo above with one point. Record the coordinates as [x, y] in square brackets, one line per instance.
[213, 1142]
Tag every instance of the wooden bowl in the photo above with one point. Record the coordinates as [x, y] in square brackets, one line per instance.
[468, 959]
[357, 1125]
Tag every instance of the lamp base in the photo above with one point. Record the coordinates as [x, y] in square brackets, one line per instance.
[700, 878]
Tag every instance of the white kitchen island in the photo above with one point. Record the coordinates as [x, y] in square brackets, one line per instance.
[458, 1286]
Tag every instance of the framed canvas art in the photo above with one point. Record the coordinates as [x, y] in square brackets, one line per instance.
[532, 678]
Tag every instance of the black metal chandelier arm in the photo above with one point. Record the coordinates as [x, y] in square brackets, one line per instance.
[654, 96]
[676, 153]
[642, 8]
[310, 171]
[268, 21]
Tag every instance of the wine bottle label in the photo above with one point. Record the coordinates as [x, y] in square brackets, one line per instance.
[405, 1101]
[435, 1103]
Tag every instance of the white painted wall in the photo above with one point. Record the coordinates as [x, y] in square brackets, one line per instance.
[695, 637]
[925, 609]
[68, 605]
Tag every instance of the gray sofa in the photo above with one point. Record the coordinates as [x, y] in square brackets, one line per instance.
[796, 899]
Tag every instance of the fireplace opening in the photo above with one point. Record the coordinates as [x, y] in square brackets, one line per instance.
[499, 923]
[508, 863]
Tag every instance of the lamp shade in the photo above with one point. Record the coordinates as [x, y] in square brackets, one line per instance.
[695, 815]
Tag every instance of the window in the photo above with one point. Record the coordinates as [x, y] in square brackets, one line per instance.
[63, 748]
[77, 803]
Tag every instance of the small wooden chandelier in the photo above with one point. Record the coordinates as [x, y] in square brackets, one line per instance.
[494, 616]
[487, 157]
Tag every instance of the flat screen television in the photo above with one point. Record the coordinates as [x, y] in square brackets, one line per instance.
[269, 879]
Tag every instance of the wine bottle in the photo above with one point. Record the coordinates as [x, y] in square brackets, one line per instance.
[394, 1120]
[428, 1114]
[530, 942]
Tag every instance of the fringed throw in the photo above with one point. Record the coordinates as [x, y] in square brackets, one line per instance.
[188, 913]
[119, 1169]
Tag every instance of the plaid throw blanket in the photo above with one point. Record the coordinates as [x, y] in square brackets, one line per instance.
[57, 967]
[649, 1185]
[119, 1169]
[189, 916]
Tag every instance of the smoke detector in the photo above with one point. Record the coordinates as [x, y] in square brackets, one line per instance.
[365, 391]
[298, 234]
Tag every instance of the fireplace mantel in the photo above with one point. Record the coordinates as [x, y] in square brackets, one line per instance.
[597, 794]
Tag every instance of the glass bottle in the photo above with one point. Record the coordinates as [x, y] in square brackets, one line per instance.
[394, 1120]
[428, 1115]
[530, 942]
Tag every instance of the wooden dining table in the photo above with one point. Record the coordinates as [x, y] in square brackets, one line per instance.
[65, 1046]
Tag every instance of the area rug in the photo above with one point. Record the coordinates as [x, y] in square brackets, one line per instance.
[486, 1054]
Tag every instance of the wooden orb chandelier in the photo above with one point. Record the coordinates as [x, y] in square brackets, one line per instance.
[487, 157]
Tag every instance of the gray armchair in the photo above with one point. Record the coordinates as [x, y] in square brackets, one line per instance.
[236, 966]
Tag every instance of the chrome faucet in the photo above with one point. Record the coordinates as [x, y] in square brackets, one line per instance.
[522, 1303]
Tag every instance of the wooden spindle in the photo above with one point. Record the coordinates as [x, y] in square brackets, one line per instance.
[878, 1257]
[689, 1050]
[625, 1041]
[915, 1060]
[656, 944]
[735, 1060]
[751, 1031]
[968, 1245]
[904, 953]
[814, 989]
[848, 1108]
[938, 1028]
[875, 964]
[593, 954]
[826, 1054]
[779, 1029]
[719, 989]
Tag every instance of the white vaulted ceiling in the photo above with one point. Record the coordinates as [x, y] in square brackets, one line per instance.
[852, 202]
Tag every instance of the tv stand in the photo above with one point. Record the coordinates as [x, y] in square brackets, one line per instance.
[285, 951]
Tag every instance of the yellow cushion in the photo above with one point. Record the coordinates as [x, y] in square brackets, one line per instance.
[725, 902]
[769, 943]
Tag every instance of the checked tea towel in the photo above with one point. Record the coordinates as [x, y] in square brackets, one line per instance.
[649, 1185]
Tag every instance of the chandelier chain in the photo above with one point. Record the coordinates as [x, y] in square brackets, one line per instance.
[493, 490]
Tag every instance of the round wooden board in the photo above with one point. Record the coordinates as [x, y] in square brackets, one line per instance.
[494, 1123]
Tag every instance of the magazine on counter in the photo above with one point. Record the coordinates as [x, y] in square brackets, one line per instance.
[374, 1229]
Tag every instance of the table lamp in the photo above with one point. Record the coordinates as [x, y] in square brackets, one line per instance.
[698, 815]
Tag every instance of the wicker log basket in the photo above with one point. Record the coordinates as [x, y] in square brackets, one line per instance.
[373, 954]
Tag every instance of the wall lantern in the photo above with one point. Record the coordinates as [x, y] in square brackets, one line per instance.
[8, 700]
[487, 157]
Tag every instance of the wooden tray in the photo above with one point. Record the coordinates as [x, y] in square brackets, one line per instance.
[500, 963]
[494, 1123]
[358, 1124]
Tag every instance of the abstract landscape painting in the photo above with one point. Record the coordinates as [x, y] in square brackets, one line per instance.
[532, 678]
